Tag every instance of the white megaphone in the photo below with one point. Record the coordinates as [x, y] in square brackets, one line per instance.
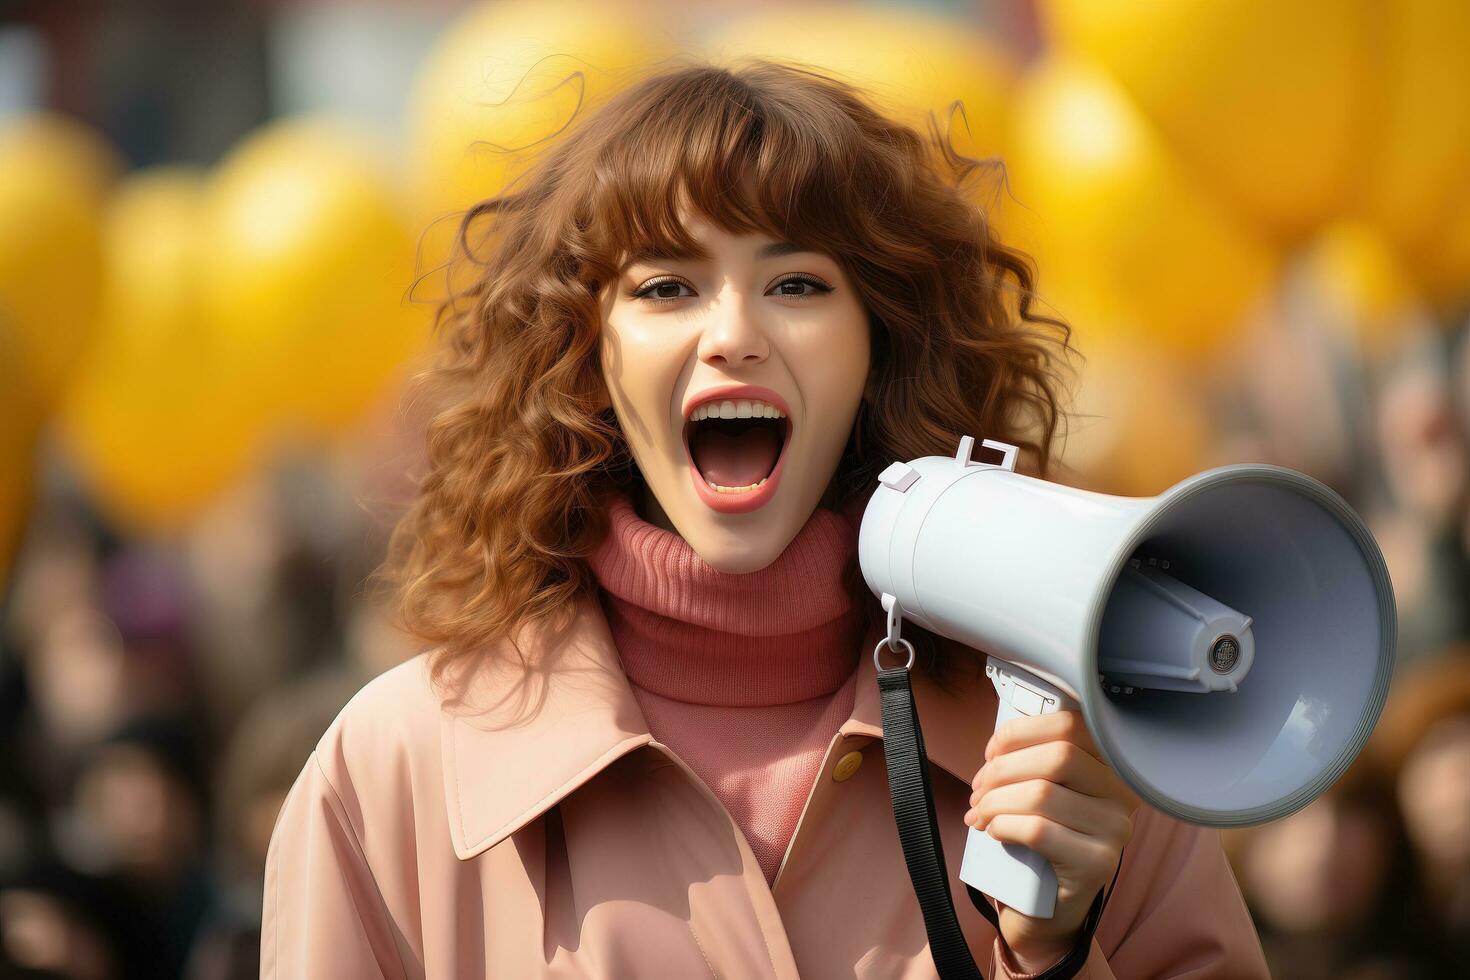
[1230, 641]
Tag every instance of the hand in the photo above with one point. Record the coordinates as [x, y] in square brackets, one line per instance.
[1044, 785]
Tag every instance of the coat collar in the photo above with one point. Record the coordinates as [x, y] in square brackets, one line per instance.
[518, 739]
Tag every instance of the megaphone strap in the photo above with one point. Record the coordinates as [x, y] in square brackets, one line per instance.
[923, 851]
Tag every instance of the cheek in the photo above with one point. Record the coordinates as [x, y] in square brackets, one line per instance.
[625, 362]
[835, 363]
[640, 368]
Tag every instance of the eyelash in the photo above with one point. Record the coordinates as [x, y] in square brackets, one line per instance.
[645, 291]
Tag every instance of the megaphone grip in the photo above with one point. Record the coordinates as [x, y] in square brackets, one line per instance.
[1012, 873]
[918, 833]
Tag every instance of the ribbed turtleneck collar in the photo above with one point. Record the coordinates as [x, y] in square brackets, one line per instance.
[687, 631]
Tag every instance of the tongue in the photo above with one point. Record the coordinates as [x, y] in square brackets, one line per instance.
[735, 460]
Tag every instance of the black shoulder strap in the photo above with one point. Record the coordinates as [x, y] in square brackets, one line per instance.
[923, 851]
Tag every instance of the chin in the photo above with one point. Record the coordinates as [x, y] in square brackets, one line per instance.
[747, 547]
[740, 562]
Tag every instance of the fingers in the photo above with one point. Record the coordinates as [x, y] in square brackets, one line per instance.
[1034, 729]
[1090, 816]
[1089, 858]
[1064, 763]
[1045, 785]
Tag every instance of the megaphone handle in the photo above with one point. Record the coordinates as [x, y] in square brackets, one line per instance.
[1011, 873]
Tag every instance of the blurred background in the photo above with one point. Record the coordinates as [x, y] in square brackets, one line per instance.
[222, 228]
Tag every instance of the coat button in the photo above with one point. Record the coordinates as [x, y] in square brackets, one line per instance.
[847, 766]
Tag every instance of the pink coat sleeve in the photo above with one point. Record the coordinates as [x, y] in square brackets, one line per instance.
[322, 915]
[1176, 913]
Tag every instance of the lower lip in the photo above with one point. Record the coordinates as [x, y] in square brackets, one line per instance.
[738, 503]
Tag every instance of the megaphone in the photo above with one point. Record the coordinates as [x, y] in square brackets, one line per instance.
[1229, 641]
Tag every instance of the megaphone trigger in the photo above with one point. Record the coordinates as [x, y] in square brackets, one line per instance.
[1011, 873]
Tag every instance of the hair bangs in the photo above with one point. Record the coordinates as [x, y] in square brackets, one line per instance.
[728, 149]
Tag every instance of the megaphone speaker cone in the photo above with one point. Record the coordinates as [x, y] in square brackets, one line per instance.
[1311, 669]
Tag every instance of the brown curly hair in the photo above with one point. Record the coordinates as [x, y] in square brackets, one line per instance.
[524, 448]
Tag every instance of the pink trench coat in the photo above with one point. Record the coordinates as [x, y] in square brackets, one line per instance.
[429, 838]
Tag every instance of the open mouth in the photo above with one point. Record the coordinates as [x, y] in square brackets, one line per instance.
[736, 455]
[736, 461]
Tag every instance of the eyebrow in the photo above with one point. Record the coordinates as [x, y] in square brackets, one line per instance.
[777, 249]
[773, 250]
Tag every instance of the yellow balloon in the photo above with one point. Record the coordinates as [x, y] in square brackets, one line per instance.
[307, 272]
[67, 146]
[501, 83]
[154, 422]
[1262, 97]
[911, 62]
[1125, 239]
[53, 174]
[17, 449]
[1417, 151]
[1352, 269]
[1442, 265]
[15, 497]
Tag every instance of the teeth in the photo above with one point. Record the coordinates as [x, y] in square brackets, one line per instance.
[716, 487]
[736, 410]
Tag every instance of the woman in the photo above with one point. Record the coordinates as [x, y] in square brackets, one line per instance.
[647, 742]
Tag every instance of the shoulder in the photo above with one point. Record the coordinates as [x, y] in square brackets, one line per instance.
[340, 882]
[386, 737]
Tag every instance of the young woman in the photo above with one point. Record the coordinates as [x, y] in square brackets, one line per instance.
[647, 740]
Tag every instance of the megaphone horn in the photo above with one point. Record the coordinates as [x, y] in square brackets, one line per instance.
[1229, 642]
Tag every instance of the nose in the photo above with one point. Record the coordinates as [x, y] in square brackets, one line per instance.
[733, 337]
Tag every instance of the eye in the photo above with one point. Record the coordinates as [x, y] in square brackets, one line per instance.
[800, 286]
[662, 290]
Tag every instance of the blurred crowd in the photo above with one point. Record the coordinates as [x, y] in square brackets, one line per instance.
[157, 701]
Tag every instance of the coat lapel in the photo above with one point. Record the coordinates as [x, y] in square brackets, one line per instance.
[520, 739]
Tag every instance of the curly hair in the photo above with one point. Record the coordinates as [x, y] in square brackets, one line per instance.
[524, 448]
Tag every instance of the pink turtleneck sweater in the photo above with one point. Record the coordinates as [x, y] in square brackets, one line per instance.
[745, 677]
